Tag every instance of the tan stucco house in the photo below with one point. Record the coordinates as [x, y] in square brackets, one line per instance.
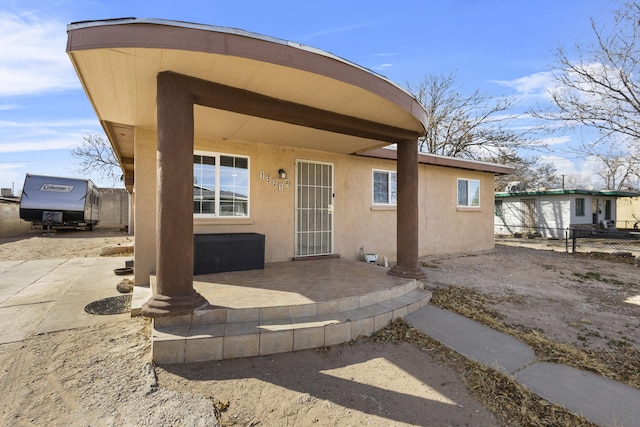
[219, 130]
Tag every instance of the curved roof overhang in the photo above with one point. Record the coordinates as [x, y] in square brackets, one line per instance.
[263, 89]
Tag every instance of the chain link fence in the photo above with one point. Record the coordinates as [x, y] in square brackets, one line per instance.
[622, 243]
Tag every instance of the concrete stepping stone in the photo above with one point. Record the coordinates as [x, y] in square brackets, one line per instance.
[472, 339]
[600, 400]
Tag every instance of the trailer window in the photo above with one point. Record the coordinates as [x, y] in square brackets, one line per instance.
[220, 185]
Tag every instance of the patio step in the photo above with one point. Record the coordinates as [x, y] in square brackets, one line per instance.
[219, 333]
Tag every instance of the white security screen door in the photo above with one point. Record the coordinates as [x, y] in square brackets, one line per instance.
[314, 208]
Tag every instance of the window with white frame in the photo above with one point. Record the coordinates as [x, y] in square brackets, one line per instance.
[468, 193]
[220, 185]
[385, 187]
[580, 206]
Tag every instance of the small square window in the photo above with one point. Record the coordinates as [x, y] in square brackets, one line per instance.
[385, 187]
[469, 193]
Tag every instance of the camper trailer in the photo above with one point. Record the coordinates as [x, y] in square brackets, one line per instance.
[57, 202]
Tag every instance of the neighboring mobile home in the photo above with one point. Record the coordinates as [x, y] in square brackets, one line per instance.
[550, 213]
[223, 131]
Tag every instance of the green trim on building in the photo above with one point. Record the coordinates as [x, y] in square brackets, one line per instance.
[560, 192]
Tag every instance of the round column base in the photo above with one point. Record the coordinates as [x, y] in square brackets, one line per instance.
[410, 273]
[165, 306]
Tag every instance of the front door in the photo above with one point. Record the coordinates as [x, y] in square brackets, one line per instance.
[314, 208]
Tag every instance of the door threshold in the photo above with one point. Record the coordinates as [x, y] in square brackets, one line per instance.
[315, 257]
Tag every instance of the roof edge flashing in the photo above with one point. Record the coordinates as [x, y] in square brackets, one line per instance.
[171, 23]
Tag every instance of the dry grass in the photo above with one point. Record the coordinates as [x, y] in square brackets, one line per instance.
[512, 403]
[620, 364]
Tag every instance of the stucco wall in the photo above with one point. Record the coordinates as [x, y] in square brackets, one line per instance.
[444, 228]
[10, 222]
[357, 222]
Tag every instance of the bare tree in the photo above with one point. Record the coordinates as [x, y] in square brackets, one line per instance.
[575, 180]
[616, 168]
[95, 155]
[471, 126]
[600, 89]
[529, 171]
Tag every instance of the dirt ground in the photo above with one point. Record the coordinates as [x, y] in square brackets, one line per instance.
[590, 302]
[103, 375]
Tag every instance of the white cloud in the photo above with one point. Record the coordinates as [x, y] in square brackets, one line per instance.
[8, 107]
[555, 140]
[536, 84]
[592, 93]
[33, 56]
[576, 172]
[563, 165]
[337, 30]
[383, 67]
[10, 165]
[30, 136]
[46, 124]
[11, 173]
[50, 144]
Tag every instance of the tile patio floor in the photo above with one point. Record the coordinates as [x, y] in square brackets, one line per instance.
[287, 306]
[294, 283]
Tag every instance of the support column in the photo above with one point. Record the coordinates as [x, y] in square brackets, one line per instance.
[144, 205]
[407, 212]
[174, 294]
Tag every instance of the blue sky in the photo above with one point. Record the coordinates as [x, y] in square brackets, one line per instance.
[503, 48]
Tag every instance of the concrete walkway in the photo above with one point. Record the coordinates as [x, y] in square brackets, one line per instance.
[43, 296]
[598, 399]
